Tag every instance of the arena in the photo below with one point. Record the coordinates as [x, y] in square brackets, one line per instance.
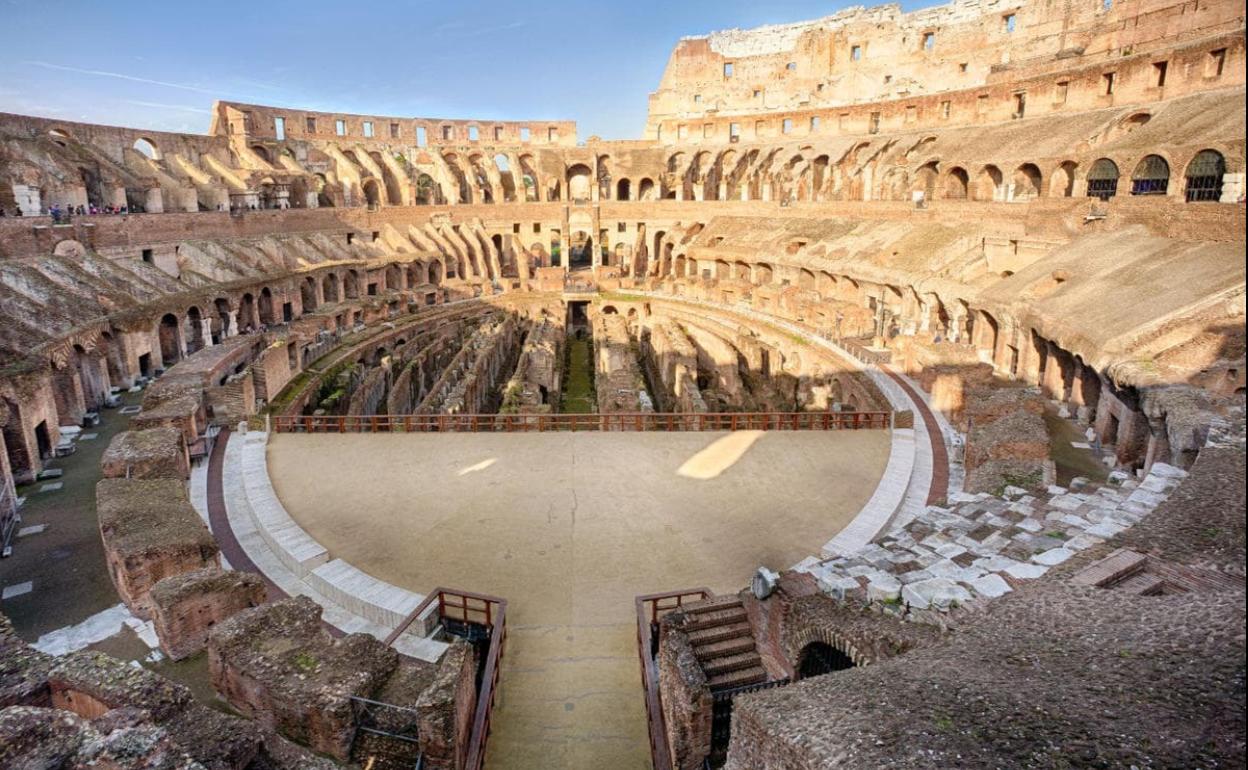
[881, 406]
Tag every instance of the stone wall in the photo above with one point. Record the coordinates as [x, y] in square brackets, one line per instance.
[186, 607]
[278, 665]
[156, 453]
[150, 532]
[686, 699]
[88, 709]
[446, 709]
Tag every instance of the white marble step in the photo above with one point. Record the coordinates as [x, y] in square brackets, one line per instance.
[364, 594]
[297, 550]
[259, 549]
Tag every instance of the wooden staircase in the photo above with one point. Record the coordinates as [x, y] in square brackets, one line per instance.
[723, 642]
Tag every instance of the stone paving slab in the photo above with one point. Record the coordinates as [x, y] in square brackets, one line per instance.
[949, 555]
[17, 589]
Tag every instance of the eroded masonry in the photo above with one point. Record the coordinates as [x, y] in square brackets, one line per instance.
[1004, 238]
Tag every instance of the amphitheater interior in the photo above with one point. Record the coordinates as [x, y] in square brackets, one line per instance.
[883, 406]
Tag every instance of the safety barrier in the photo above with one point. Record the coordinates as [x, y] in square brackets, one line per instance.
[539, 423]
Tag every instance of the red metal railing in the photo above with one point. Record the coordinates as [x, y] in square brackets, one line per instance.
[651, 607]
[539, 423]
[479, 609]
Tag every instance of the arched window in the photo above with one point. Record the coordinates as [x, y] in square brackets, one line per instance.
[1204, 177]
[1103, 179]
[1151, 176]
[147, 147]
[818, 658]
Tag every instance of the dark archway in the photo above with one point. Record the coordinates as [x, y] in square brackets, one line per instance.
[819, 658]
[170, 340]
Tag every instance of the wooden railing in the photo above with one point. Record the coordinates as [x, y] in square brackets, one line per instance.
[539, 423]
[489, 612]
[651, 607]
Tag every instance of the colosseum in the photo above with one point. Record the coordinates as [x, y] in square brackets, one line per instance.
[882, 405]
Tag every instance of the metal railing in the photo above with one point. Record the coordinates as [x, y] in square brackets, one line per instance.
[539, 423]
[651, 607]
[465, 608]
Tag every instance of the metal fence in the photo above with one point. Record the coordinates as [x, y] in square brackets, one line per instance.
[539, 423]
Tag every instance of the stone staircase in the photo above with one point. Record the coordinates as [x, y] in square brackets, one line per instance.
[723, 642]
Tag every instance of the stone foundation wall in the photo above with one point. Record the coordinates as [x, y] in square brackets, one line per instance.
[156, 453]
[150, 532]
[277, 664]
[186, 607]
[686, 700]
[446, 709]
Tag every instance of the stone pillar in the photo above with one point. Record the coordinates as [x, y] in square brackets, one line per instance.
[205, 331]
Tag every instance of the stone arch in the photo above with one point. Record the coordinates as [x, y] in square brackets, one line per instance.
[394, 277]
[819, 658]
[506, 178]
[1151, 176]
[1027, 182]
[221, 321]
[146, 147]
[69, 248]
[307, 294]
[925, 179]
[264, 306]
[351, 286]
[829, 637]
[1062, 181]
[1103, 179]
[372, 192]
[247, 313]
[1202, 181]
[262, 153]
[194, 329]
[623, 190]
[957, 183]
[427, 191]
[324, 196]
[394, 193]
[988, 184]
[579, 181]
[169, 335]
[330, 287]
[645, 189]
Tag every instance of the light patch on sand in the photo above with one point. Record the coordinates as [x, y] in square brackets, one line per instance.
[721, 455]
[478, 467]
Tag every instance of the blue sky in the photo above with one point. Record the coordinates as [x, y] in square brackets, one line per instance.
[160, 65]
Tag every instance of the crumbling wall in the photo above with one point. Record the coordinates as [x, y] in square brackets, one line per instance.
[156, 453]
[277, 664]
[446, 709]
[686, 698]
[186, 607]
[617, 379]
[1007, 443]
[150, 532]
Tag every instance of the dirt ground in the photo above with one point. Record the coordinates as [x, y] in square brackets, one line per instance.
[569, 528]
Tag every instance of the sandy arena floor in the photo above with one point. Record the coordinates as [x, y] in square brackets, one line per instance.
[569, 528]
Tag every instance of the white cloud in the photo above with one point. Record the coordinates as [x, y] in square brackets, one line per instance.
[121, 76]
[163, 106]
